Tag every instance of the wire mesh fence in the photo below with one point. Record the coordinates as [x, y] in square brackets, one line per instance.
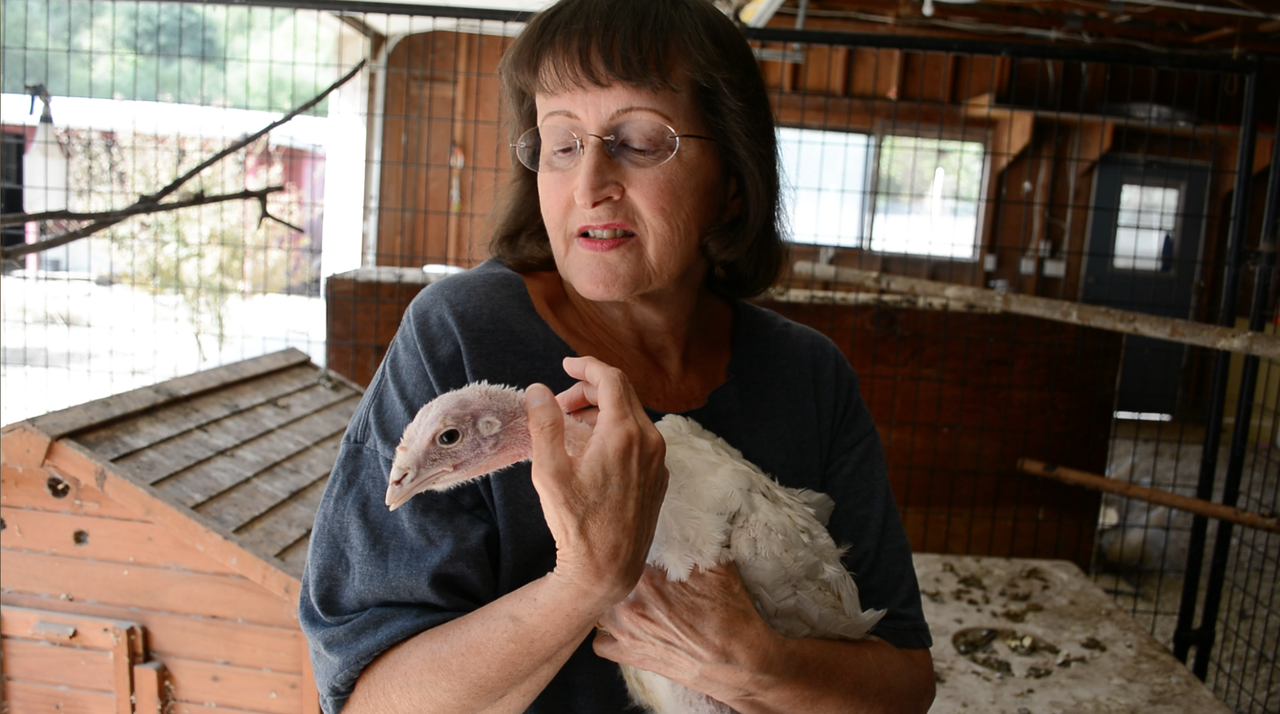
[1132, 182]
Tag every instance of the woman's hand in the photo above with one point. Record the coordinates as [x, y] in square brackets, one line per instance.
[703, 633]
[601, 506]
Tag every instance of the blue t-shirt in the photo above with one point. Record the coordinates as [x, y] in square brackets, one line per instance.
[375, 578]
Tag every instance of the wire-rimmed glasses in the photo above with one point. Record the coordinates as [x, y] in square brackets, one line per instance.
[635, 143]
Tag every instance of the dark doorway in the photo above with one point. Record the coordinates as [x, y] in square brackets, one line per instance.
[1143, 255]
[11, 147]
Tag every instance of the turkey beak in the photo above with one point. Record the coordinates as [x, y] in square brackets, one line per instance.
[406, 485]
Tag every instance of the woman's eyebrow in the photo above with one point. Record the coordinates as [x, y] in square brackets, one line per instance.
[558, 113]
[640, 108]
[612, 117]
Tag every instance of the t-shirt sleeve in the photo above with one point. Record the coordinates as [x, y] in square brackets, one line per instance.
[374, 577]
[866, 519]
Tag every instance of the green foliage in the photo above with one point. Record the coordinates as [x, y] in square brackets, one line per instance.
[212, 55]
[908, 165]
[204, 254]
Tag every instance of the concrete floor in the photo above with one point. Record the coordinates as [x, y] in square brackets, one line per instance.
[1057, 643]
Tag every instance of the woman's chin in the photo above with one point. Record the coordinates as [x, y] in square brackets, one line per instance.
[600, 290]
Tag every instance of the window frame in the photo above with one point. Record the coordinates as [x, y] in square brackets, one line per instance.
[868, 203]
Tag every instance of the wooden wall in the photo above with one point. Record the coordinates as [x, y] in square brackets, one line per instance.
[363, 309]
[443, 153]
[69, 550]
[958, 398]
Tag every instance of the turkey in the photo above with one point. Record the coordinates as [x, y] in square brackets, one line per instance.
[718, 506]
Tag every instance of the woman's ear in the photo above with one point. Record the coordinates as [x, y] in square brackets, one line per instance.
[732, 200]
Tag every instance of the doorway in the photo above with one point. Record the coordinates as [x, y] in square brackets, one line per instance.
[1143, 255]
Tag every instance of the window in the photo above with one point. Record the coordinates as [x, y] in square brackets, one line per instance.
[1144, 228]
[924, 201]
[825, 176]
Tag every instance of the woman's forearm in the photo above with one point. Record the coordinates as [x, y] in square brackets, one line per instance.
[495, 659]
[812, 675]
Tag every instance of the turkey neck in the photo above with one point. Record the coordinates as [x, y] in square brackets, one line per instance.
[517, 442]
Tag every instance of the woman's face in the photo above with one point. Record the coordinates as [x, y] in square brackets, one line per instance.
[622, 233]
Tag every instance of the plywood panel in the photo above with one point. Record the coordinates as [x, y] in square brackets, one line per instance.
[198, 708]
[23, 446]
[236, 687]
[33, 489]
[71, 629]
[230, 598]
[67, 457]
[75, 652]
[102, 539]
[47, 663]
[194, 638]
[150, 683]
[23, 697]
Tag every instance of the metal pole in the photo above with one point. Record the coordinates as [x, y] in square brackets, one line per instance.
[1184, 635]
[1244, 409]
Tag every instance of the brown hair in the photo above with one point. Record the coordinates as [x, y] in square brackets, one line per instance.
[648, 44]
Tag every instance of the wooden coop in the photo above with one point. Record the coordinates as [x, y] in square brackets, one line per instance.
[154, 542]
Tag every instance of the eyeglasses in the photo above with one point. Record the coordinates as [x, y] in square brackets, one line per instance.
[635, 143]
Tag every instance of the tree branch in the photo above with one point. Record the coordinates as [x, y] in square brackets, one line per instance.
[108, 218]
[153, 200]
[136, 209]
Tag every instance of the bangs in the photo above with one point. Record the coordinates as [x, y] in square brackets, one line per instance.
[599, 45]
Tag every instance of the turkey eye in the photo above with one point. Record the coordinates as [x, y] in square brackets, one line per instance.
[449, 437]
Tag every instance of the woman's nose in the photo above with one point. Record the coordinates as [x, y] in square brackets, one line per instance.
[598, 174]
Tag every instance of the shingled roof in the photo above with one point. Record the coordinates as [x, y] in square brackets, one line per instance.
[233, 459]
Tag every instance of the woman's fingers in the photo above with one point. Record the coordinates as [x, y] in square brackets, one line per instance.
[577, 398]
[546, 427]
[692, 632]
[604, 386]
[602, 503]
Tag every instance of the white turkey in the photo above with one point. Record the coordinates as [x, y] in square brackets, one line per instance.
[718, 507]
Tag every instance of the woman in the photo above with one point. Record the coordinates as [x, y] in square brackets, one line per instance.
[646, 206]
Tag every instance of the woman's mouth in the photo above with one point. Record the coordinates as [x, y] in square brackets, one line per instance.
[602, 239]
[606, 234]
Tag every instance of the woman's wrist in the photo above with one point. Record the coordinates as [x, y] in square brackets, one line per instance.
[589, 595]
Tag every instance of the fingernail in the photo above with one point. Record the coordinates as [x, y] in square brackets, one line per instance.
[536, 395]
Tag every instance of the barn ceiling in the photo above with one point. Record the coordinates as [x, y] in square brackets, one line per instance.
[1222, 26]
[1201, 26]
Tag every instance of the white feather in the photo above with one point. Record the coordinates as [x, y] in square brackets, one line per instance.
[718, 507]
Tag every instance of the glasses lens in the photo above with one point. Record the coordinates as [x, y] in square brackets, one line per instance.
[527, 147]
[641, 143]
[560, 148]
[636, 143]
